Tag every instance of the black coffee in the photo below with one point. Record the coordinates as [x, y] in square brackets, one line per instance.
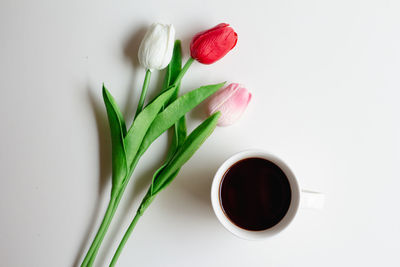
[255, 194]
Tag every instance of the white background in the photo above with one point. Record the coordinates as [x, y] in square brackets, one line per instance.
[325, 82]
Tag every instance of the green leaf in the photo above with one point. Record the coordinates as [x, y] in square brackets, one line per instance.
[116, 109]
[118, 130]
[179, 136]
[184, 153]
[175, 111]
[141, 124]
[174, 66]
[173, 71]
[180, 129]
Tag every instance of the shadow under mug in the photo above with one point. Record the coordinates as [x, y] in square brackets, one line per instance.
[303, 198]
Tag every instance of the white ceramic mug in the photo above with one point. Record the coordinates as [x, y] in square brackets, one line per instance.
[304, 198]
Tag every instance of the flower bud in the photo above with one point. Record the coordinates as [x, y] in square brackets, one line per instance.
[232, 101]
[213, 44]
[155, 51]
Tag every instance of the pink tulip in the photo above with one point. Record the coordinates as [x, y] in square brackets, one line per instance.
[232, 101]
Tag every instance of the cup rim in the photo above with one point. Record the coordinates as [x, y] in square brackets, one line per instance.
[223, 218]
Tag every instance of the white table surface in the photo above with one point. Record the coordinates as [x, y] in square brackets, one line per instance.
[325, 82]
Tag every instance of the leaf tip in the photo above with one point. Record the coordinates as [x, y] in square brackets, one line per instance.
[219, 85]
[217, 114]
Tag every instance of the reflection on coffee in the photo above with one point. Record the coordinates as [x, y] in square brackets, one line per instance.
[255, 194]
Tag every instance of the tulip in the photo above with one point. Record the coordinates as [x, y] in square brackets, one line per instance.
[209, 46]
[213, 44]
[232, 101]
[155, 51]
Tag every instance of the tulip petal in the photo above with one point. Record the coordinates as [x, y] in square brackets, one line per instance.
[213, 44]
[221, 25]
[156, 48]
[232, 101]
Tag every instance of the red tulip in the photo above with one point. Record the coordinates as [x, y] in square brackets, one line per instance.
[213, 44]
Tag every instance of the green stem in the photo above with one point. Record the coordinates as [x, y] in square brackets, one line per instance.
[103, 227]
[113, 205]
[143, 206]
[183, 71]
[147, 200]
[96, 250]
[144, 92]
[114, 209]
[124, 239]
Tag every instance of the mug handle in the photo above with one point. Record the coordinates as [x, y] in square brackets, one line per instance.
[312, 200]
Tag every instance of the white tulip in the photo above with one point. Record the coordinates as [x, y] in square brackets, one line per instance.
[155, 51]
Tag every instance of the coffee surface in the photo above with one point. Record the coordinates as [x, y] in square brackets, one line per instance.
[255, 194]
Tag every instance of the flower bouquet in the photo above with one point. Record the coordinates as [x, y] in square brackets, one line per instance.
[157, 51]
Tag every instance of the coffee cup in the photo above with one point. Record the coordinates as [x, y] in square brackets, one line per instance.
[268, 187]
